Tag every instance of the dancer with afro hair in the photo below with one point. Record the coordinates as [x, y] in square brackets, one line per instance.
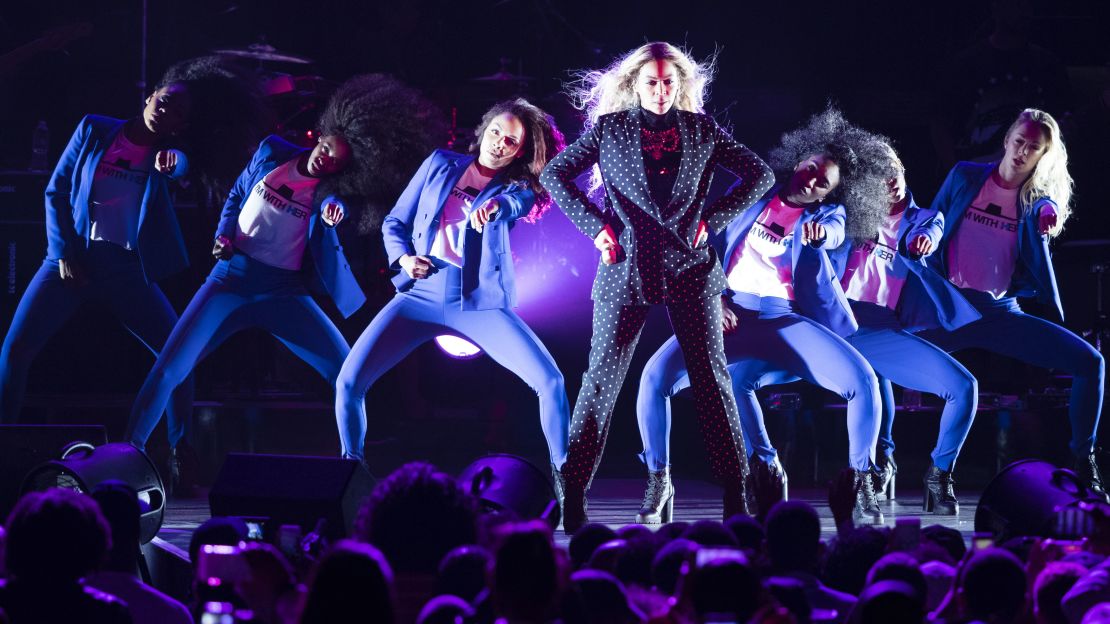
[284, 206]
[784, 312]
[448, 238]
[111, 229]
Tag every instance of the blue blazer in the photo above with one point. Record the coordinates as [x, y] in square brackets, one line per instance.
[928, 300]
[332, 271]
[817, 291]
[488, 278]
[160, 246]
[1034, 276]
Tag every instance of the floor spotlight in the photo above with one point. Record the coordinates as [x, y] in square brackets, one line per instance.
[83, 466]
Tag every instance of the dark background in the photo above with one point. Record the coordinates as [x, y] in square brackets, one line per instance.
[885, 64]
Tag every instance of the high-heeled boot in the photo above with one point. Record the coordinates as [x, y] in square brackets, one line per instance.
[774, 469]
[867, 508]
[658, 505]
[572, 501]
[559, 484]
[940, 495]
[734, 499]
[1086, 468]
[885, 477]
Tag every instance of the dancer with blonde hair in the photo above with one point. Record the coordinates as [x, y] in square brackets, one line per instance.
[655, 151]
[999, 218]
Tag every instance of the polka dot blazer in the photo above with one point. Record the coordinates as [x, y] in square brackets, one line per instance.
[661, 263]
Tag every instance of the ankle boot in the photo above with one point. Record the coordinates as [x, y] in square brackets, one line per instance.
[885, 477]
[1086, 468]
[775, 469]
[559, 484]
[940, 496]
[658, 505]
[572, 501]
[867, 508]
[735, 502]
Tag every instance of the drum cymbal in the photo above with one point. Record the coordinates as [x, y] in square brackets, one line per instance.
[264, 52]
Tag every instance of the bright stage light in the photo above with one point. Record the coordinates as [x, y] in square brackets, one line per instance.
[458, 348]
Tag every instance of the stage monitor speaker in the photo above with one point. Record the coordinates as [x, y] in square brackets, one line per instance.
[503, 482]
[287, 489]
[1026, 499]
[22, 447]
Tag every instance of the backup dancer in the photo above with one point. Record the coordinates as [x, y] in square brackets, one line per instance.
[999, 218]
[656, 151]
[283, 207]
[893, 292]
[785, 313]
[448, 235]
[111, 230]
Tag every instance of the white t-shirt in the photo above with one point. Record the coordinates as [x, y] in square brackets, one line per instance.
[117, 192]
[872, 275]
[983, 251]
[761, 264]
[453, 219]
[273, 223]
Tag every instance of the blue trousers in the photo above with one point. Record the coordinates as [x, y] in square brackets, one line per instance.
[115, 280]
[433, 306]
[766, 349]
[239, 293]
[1006, 330]
[900, 357]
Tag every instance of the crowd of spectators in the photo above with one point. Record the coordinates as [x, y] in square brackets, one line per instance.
[421, 551]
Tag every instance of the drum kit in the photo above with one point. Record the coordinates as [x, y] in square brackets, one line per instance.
[296, 93]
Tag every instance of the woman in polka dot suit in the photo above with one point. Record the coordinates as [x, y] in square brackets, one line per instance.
[655, 152]
[785, 313]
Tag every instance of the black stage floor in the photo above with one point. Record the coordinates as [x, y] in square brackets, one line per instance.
[615, 501]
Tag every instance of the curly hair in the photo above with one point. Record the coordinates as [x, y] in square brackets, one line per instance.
[390, 128]
[542, 141]
[863, 175]
[415, 516]
[227, 118]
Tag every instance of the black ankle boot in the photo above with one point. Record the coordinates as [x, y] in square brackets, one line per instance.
[1086, 468]
[867, 508]
[774, 469]
[658, 505]
[940, 496]
[885, 477]
[735, 502]
[572, 501]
